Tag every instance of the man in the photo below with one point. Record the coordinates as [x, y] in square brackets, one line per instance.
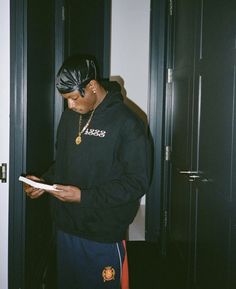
[100, 173]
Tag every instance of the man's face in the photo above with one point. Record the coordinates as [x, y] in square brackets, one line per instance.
[81, 104]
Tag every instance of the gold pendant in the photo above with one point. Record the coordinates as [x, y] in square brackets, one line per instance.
[78, 140]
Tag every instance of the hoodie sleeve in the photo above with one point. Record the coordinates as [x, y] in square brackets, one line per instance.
[134, 163]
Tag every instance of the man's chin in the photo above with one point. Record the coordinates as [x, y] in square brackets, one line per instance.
[80, 111]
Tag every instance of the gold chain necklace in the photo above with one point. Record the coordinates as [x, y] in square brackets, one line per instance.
[79, 138]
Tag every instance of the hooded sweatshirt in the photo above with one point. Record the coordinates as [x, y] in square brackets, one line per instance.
[111, 166]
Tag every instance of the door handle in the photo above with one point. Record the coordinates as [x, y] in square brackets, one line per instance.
[192, 175]
[190, 172]
[3, 173]
[195, 176]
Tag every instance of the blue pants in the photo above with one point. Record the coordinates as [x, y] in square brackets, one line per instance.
[85, 264]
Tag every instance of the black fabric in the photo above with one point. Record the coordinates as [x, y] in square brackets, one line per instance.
[111, 166]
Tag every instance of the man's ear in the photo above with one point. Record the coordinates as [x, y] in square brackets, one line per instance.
[93, 85]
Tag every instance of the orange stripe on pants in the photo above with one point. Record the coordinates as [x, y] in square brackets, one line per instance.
[125, 270]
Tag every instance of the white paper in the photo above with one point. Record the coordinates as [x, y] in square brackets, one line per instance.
[37, 184]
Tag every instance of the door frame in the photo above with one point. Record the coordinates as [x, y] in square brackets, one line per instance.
[4, 130]
[59, 57]
[156, 199]
[18, 124]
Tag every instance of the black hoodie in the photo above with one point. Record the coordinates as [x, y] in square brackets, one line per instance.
[111, 166]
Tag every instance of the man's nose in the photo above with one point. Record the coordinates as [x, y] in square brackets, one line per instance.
[70, 103]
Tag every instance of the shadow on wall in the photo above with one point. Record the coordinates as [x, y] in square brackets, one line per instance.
[128, 101]
[143, 116]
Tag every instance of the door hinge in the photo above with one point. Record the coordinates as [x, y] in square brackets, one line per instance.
[63, 13]
[167, 153]
[165, 218]
[3, 173]
[169, 75]
[170, 7]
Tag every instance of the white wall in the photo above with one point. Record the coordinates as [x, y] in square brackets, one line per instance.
[130, 61]
[130, 47]
[4, 132]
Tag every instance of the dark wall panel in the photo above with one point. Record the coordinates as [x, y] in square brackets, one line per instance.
[40, 85]
[87, 26]
[40, 135]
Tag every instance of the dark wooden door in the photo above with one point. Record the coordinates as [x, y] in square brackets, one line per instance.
[202, 194]
[87, 30]
[31, 139]
[183, 143]
[84, 32]
[215, 196]
[37, 51]
[38, 228]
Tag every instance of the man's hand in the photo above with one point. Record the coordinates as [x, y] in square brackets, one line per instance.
[32, 192]
[67, 193]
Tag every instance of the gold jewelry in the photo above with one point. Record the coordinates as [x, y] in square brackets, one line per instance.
[79, 138]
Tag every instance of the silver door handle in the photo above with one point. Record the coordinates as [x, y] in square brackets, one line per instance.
[190, 172]
[195, 175]
[193, 178]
